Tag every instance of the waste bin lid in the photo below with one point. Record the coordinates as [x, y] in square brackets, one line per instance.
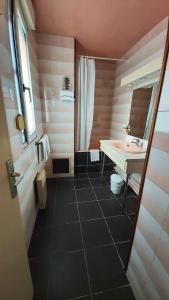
[116, 178]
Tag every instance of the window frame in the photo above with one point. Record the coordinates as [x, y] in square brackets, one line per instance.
[15, 12]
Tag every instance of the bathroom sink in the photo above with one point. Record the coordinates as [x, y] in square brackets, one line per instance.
[127, 156]
[129, 148]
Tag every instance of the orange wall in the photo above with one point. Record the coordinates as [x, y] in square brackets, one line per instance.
[102, 102]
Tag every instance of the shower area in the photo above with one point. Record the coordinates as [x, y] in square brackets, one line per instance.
[93, 111]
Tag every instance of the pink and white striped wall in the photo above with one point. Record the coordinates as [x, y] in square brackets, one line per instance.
[149, 47]
[56, 60]
[148, 270]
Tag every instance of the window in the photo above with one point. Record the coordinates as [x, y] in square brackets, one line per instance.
[21, 66]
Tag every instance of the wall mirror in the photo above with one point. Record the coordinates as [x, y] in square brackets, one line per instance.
[141, 112]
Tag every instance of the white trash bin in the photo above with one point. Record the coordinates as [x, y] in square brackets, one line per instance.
[116, 183]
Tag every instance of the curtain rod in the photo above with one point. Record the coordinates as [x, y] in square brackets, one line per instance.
[103, 58]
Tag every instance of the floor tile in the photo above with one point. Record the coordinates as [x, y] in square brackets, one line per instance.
[98, 182]
[95, 233]
[62, 244]
[130, 192]
[89, 210]
[107, 160]
[123, 250]
[85, 195]
[94, 174]
[105, 269]
[120, 228]
[41, 242]
[65, 178]
[131, 205]
[93, 168]
[51, 184]
[65, 196]
[103, 193]
[67, 213]
[132, 218]
[82, 298]
[38, 296]
[80, 169]
[121, 194]
[51, 196]
[124, 293]
[82, 183]
[39, 273]
[109, 167]
[65, 184]
[66, 238]
[67, 276]
[80, 158]
[107, 174]
[110, 207]
[81, 175]
[45, 217]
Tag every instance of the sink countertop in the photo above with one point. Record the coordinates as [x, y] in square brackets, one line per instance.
[128, 162]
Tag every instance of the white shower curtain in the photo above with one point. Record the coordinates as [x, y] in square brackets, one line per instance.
[86, 87]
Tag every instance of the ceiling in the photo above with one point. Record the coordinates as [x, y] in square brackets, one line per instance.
[102, 27]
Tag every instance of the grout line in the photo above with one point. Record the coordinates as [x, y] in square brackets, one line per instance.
[78, 298]
[81, 202]
[124, 213]
[77, 250]
[83, 188]
[108, 199]
[130, 219]
[100, 218]
[113, 289]
[122, 242]
[107, 226]
[85, 257]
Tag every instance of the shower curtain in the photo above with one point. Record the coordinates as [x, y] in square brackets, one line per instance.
[85, 110]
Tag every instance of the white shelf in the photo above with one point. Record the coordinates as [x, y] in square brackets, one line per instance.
[142, 72]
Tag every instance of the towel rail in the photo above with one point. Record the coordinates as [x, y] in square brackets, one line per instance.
[39, 141]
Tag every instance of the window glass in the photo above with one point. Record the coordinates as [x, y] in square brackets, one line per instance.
[21, 67]
[26, 79]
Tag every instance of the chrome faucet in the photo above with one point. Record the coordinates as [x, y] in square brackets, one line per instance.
[136, 141]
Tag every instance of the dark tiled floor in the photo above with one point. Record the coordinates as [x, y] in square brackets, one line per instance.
[89, 210]
[80, 241]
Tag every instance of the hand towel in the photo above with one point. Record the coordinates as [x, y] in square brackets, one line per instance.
[94, 155]
[46, 146]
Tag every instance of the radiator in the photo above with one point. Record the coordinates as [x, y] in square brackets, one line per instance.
[41, 189]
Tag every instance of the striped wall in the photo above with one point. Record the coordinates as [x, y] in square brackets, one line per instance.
[56, 60]
[148, 269]
[149, 47]
[24, 157]
[102, 102]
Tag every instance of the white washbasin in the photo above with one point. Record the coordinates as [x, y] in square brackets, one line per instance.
[129, 148]
[129, 159]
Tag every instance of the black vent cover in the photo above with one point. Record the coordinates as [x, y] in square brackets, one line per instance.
[60, 165]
